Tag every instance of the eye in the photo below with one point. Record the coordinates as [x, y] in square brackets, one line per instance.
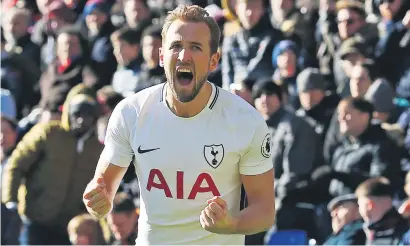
[197, 47]
[175, 46]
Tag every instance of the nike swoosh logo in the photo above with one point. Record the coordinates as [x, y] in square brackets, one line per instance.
[142, 151]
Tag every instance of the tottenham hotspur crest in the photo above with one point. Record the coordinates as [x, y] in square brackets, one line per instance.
[266, 147]
[214, 154]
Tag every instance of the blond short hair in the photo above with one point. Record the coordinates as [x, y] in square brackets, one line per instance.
[194, 13]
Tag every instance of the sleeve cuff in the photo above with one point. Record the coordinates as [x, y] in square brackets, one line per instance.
[111, 155]
[256, 168]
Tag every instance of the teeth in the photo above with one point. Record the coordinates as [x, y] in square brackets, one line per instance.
[184, 70]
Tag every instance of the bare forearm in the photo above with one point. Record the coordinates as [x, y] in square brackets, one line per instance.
[112, 176]
[256, 218]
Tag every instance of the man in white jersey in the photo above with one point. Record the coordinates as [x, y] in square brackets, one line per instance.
[193, 146]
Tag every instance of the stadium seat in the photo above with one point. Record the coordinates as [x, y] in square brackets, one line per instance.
[286, 237]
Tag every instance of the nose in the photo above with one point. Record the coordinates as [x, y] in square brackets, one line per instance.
[248, 12]
[80, 120]
[184, 56]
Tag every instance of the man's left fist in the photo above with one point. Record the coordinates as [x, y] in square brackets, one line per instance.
[216, 218]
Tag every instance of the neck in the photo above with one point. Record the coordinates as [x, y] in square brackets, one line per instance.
[192, 108]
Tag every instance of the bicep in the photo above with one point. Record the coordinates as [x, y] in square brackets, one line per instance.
[259, 187]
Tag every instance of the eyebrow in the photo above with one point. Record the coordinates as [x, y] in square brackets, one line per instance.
[194, 43]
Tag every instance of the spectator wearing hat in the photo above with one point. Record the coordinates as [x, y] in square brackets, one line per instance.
[351, 18]
[382, 95]
[287, 61]
[366, 151]
[296, 151]
[317, 104]
[123, 220]
[347, 224]
[248, 52]
[383, 224]
[56, 160]
[96, 14]
[352, 52]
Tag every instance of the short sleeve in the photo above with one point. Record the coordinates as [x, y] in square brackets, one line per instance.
[117, 149]
[258, 158]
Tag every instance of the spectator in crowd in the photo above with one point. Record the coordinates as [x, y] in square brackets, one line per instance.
[353, 52]
[391, 53]
[317, 104]
[99, 29]
[381, 95]
[16, 23]
[296, 151]
[247, 54]
[8, 138]
[19, 75]
[84, 229]
[404, 209]
[351, 18]
[287, 61]
[151, 71]
[8, 104]
[244, 89]
[295, 25]
[57, 160]
[8, 126]
[127, 50]
[59, 16]
[361, 79]
[366, 151]
[70, 68]
[137, 14]
[347, 224]
[40, 29]
[108, 99]
[383, 224]
[123, 220]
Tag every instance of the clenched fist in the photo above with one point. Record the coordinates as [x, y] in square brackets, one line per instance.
[96, 198]
[216, 218]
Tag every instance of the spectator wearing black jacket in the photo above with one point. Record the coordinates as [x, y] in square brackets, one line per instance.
[296, 151]
[248, 53]
[383, 224]
[366, 151]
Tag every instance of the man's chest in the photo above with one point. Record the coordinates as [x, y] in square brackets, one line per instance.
[186, 160]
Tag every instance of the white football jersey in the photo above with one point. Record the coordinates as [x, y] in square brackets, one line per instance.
[183, 162]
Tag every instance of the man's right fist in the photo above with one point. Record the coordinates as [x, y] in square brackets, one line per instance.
[96, 198]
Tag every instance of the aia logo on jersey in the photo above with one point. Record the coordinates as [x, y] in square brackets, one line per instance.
[266, 147]
[214, 154]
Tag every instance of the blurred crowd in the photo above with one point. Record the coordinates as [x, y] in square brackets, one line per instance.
[330, 77]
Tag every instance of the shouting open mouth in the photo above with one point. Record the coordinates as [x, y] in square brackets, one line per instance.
[184, 76]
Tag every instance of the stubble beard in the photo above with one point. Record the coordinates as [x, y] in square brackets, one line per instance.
[188, 97]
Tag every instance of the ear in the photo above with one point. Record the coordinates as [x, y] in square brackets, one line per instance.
[370, 204]
[161, 57]
[214, 61]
